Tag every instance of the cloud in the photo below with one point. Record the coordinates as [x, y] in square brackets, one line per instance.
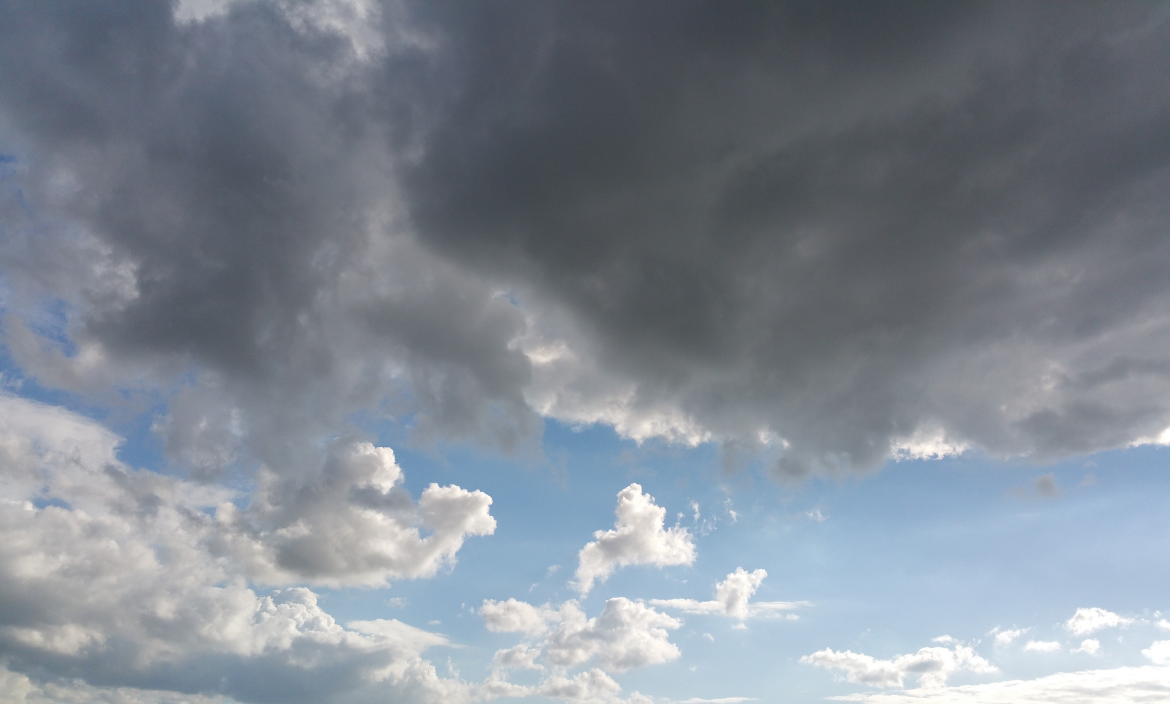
[117, 579]
[1087, 621]
[1042, 646]
[514, 616]
[637, 538]
[1158, 652]
[1005, 637]
[733, 598]
[1123, 684]
[932, 666]
[1089, 646]
[1046, 486]
[625, 635]
[478, 217]
[351, 524]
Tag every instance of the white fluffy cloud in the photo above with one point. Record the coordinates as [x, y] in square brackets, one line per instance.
[733, 598]
[1087, 621]
[625, 635]
[1089, 646]
[639, 537]
[931, 665]
[514, 616]
[1005, 637]
[1158, 652]
[1042, 646]
[116, 573]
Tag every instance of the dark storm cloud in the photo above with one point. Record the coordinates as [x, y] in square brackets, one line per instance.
[857, 227]
[843, 222]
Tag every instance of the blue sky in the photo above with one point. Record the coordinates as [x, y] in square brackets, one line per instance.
[376, 351]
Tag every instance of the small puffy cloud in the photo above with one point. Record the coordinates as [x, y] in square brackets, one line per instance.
[625, 635]
[733, 598]
[1087, 621]
[590, 686]
[1158, 652]
[1042, 646]
[350, 524]
[639, 537]
[1089, 646]
[519, 657]
[931, 665]
[514, 616]
[1005, 637]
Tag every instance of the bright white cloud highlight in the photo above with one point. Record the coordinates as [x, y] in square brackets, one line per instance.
[1042, 646]
[1158, 652]
[733, 598]
[1089, 646]
[639, 537]
[931, 666]
[1087, 621]
[1003, 638]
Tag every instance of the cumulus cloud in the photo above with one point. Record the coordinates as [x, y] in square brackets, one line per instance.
[733, 598]
[637, 538]
[115, 575]
[932, 666]
[514, 616]
[1042, 646]
[1091, 620]
[1123, 684]
[1089, 646]
[625, 635]
[478, 216]
[1158, 652]
[350, 524]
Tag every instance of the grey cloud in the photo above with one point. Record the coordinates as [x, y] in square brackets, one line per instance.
[839, 224]
[825, 228]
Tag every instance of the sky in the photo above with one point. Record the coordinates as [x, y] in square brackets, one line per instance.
[601, 353]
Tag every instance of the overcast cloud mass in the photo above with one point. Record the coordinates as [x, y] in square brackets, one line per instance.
[815, 237]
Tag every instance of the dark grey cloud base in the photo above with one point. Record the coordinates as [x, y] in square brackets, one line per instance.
[840, 223]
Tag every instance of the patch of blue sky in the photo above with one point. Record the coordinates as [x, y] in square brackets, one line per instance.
[889, 561]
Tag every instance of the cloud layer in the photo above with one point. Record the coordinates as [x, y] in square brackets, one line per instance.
[839, 233]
